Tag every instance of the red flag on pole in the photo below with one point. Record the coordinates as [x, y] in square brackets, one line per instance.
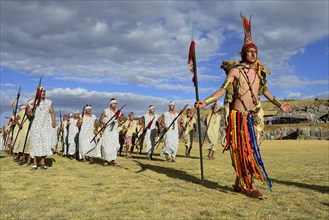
[191, 58]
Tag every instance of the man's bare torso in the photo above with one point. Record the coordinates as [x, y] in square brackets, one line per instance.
[242, 98]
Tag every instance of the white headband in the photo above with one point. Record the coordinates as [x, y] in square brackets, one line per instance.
[151, 107]
[171, 103]
[22, 107]
[88, 107]
[113, 101]
[76, 112]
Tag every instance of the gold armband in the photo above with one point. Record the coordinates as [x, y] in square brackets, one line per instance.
[209, 100]
[276, 102]
[226, 84]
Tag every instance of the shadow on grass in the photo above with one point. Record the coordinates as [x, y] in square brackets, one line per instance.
[322, 189]
[182, 175]
[98, 161]
[191, 157]
[143, 157]
[49, 161]
[2, 156]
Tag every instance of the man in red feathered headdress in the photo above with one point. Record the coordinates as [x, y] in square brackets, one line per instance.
[245, 82]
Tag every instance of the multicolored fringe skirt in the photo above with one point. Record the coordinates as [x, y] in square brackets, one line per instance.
[242, 142]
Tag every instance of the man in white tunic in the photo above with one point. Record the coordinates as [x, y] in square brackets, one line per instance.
[109, 141]
[72, 136]
[171, 136]
[20, 136]
[42, 125]
[188, 124]
[17, 146]
[87, 124]
[150, 121]
[61, 147]
[213, 131]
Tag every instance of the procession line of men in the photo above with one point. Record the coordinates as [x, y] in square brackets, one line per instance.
[244, 123]
[33, 135]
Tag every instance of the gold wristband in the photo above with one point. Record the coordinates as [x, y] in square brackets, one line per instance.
[276, 102]
[209, 100]
[226, 84]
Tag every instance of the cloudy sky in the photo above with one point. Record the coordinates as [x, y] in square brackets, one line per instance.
[136, 51]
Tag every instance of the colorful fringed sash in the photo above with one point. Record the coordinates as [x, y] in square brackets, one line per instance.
[245, 154]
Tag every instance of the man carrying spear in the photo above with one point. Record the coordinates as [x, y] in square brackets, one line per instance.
[87, 124]
[150, 121]
[245, 82]
[73, 131]
[109, 142]
[188, 123]
[15, 124]
[171, 129]
[41, 109]
[20, 135]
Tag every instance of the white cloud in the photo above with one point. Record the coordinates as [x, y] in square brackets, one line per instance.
[68, 100]
[134, 42]
[299, 95]
[294, 81]
[7, 85]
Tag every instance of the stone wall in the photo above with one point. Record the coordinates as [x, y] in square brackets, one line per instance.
[298, 134]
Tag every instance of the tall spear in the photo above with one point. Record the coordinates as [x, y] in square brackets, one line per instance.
[164, 133]
[36, 103]
[15, 112]
[193, 69]
[117, 113]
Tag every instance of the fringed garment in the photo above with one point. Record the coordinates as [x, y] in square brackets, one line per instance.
[241, 140]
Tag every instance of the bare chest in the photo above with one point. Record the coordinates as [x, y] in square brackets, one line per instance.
[247, 80]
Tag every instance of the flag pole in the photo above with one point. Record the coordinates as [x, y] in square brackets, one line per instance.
[192, 57]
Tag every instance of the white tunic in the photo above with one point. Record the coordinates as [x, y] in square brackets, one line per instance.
[171, 137]
[109, 141]
[54, 139]
[150, 134]
[64, 137]
[1, 142]
[86, 135]
[41, 130]
[73, 131]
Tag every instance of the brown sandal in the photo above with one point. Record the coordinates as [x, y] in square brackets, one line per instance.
[237, 188]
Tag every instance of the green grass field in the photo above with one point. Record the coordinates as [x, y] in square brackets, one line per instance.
[142, 189]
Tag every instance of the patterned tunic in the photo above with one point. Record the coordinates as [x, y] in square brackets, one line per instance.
[150, 135]
[41, 136]
[109, 141]
[73, 131]
[54, 139]
[171, 137]
[86, 135]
